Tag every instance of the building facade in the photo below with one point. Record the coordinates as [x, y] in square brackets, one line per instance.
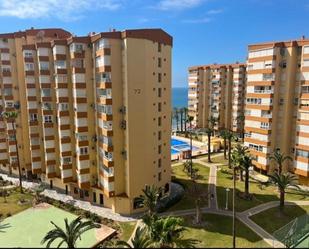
[217, 91]
[277, 104]
[93, 112]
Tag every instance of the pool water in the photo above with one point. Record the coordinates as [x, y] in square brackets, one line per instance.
[177, 146]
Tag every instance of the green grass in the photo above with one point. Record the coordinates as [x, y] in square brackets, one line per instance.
[27, 228]
[289, 213]
[260, 196]
[12, 207]
[127, 229]
[187, 202]
[217, 233]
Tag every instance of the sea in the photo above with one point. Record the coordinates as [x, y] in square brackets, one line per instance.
[180, 97]
[179, 100]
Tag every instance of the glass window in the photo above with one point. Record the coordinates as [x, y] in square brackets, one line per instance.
[48, 119]
[83, 150]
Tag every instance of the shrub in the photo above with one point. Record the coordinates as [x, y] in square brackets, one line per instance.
[8, 215]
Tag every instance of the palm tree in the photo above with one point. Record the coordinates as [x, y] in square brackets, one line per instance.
[140, 240]
[241, 120]
[283, 181]
[246, 164]
[190, 119]
[209, 132]
[279, 158]
[229, 136]
[11, 117]
[150, 198]
[176, 117]
[212, 123]
[168, 233]
[181, 119]
[224, 135]
[185, 110]
[71, 234]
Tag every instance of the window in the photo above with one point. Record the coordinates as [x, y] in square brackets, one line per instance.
[159, 47]
[159, 121]
[283, 52]
[159, 77]
[12, 138]
[48, 119]
[60, 64]
[254, 101]
[159, 107]
[281, 101]
[137, 203]
[268, 77]
[44, 65]
[159, 163]
[33, 117]
[82, 137]
[29, 66]
[265, 125]
[6, 69]
[46, 106]
[45, 92]
[159, 176]
[256, 147]
[63, 106]
[159, 92]
[7, 92]
[159, 149]
[66, 160]
[159, 62]
[302, 153]
[159, 135]
[28, 54]
[83, 150]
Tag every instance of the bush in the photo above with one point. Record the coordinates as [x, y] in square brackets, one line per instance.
[8, 215]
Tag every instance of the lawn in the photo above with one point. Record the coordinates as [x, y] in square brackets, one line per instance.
[187, 202]
[217, 233]
[260, 195]
[27, 228]
[127, 229]
[278, 219]
[12, 205]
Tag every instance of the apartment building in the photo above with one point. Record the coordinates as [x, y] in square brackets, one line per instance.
[217, 91]
[277, 104]
[93, 112]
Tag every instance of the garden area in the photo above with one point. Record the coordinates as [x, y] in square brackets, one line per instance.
[216, 232]
[279, 219]
[260, 192]
[181, 177]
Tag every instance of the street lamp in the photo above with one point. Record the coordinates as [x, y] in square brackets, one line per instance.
[227, 198]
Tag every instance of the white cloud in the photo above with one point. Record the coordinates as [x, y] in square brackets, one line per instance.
[64, 10]
[178, 4]
[201, 20]
[214, 11]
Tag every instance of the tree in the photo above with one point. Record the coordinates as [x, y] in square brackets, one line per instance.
[212, 123]
[279, 158]
[246, 164]
[71, 234]
[181, 119]
[241, 119]
[229, 136]
[283, 181]
[224, 135]
[168, 232]
[150, 198]
[190, 119]
[140, 240]
[11, 117]
[176, 117]
[209, 131]
[185, 110]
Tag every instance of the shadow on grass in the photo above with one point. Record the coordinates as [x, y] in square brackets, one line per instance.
[215, 225]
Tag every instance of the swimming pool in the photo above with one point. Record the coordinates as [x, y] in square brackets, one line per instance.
[178, 145]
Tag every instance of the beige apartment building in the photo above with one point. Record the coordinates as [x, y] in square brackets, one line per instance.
[277, 104]
[93, 112]
[217, 91]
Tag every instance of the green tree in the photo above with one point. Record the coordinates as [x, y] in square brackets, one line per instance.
[212, 121]
[241, 120]
[208, 131]
[185, 110]
[140, 240]
[168, 233]
[11, 117]
[70, 234]
[176, 117]
[181, 112]
[283, 181]
[230, 136]
[279, 159]
[224, 134]
[246, 164]
[150, 198]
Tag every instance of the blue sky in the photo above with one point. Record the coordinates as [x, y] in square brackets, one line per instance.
[204, 31]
